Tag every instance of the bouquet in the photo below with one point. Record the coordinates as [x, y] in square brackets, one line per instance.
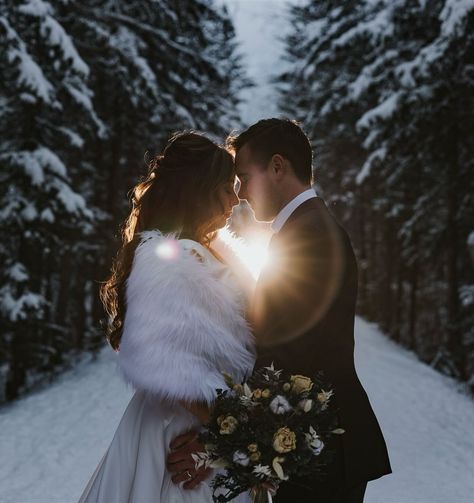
[265, 430]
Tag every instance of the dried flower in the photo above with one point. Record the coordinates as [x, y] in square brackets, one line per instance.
[252, 447]
[257, 393]
[228, 425]
[323, 397]
[305, 405]
[266, 393]
[284, 440]
[279, 405]
[255, 456]
[240, 458]
[238, 388]
[314, 442]
[276, 464]
[300, 384]
[262, 471]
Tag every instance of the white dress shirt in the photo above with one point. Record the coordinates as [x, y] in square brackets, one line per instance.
[287, 210]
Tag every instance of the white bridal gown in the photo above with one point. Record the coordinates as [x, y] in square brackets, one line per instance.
[184, 324]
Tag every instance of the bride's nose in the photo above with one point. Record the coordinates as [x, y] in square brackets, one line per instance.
[234, 200]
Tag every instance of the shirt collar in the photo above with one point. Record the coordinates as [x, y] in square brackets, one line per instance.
[287, 210]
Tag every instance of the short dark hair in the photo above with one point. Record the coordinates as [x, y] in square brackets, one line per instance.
[268, 137]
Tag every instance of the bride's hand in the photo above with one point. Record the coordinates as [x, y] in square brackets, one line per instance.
[181, 464]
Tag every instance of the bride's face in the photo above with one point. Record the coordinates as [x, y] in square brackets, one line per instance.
[228, 199]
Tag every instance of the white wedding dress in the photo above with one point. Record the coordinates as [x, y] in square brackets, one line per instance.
[184, 324]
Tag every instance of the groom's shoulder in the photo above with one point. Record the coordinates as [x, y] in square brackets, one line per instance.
[313, 216]
[313, 222]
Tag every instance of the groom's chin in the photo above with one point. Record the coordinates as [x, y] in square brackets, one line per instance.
[256, 214]
[262, 218]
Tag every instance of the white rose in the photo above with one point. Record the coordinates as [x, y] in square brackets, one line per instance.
[279, 405]
[240, 458]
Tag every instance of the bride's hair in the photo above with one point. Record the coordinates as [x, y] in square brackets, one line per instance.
[178, 195]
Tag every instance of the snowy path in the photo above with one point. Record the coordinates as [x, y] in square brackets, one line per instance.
[50, 442]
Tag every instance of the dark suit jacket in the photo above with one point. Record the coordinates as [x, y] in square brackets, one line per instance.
[304, 321]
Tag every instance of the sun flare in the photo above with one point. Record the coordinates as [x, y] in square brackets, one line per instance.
[251, 251]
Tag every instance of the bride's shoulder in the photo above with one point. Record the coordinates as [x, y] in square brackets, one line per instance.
[166, 253]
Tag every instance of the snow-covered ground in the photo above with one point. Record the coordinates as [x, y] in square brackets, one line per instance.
[51, 442]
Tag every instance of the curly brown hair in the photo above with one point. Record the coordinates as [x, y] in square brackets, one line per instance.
[178, 195]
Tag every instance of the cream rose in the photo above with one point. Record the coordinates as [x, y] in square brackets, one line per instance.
[300, 384]
[252, 447]
[255, 456]
[266, 393]
[284, 440]
[257, 394]
[228, 425]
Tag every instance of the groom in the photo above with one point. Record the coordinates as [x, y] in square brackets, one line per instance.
[304, 307]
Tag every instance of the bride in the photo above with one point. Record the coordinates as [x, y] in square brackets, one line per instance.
[176, 319]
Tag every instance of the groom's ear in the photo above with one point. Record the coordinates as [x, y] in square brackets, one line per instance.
[278, 164]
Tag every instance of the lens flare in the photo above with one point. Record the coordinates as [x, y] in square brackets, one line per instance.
[168, 250]
[252, 252]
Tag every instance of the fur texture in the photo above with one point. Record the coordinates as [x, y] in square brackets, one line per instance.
[184, 323]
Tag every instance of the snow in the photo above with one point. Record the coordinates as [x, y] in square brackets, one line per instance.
[75, 139]
[466, 294]
[129, 44]
[30, 74]
[29, 212]
[52, 440]
[453, 13]
[378, 155]
[17, 272]
[470, 239]
[15, 308]
[36, 162]
[39, 165]
[36, 8]
[51, 30]
[47, 216]
[72, 201]
[427, 421]
[382, 111]
[379, 27]
[49, 160]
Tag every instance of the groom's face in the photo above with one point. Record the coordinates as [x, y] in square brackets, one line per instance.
[257, 185]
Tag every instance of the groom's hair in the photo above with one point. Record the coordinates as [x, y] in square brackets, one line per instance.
[268, 137]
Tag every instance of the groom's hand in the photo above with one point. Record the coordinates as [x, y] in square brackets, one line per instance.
[181, 464]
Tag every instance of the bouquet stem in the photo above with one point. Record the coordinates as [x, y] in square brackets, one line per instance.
[259, 495]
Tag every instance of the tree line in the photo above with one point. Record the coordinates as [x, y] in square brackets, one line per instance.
[386, 91]
[86, 88]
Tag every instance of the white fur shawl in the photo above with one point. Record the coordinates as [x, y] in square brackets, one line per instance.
[183, 323]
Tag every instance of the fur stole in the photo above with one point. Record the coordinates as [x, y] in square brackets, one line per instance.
[183, 324]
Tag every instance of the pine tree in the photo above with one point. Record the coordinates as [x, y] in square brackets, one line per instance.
[87, 88]
[385, 90]
[46, 112]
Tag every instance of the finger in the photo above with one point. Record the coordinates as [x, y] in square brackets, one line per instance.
[180, 477]
[182, 466]
[183, 439]
[200, 476]
[191, 484]
[177, 457]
